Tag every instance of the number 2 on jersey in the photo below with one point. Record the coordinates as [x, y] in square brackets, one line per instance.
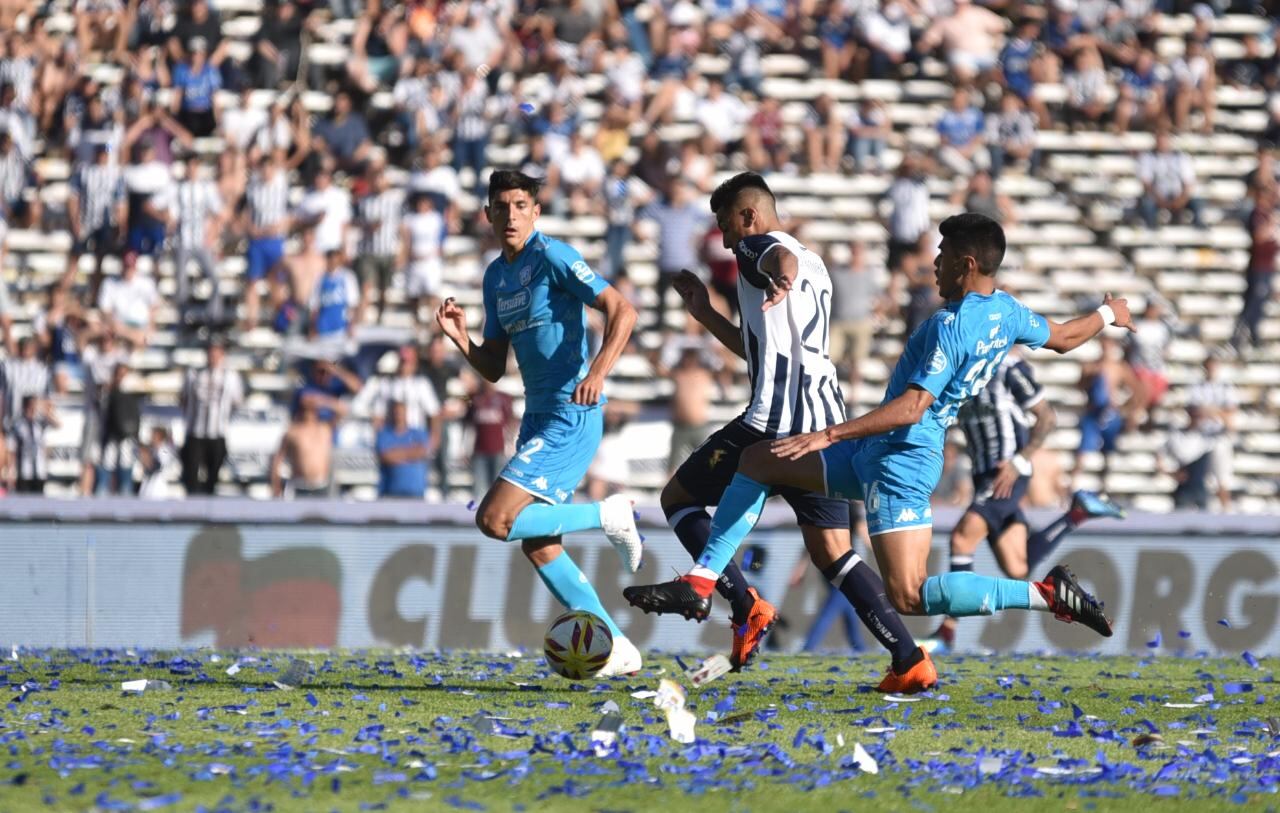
[530, 449]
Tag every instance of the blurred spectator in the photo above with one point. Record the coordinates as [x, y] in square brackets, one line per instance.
[1086, 91]
[436, 179]
[921, 284]
[1011, 137]
[697, 164]
[1117, 37]
[146, 182]
[293, 281]
[1063, 33]
[62, 333]
[867, 128]
[968, 39]
[887, 33]
[335, 301]
[121, 420]
[980, 196]
[409, 387]
[1215, 403]
[27, 375]
[402, 456]
[855, 294]
[277, 46]
[1264, 236]
[440, 365]
[100, 25]
[620, 212]
[196, 82]
[491, 415]
[836, 33]
[196, 208]
[268, 221]
[908, 219]
[962, 142]
[955, 487]
[610, 471]
[823, 135]
[1019, 66]
[681, 220]
[328, 206]
[723, 116]
[327, 385]
[1105, 382]
[1141, 94]
[1169, 183]
[209, 396]
[471, 130]
[691, 398]
[380, 42]
[128, 303]
[1247, 70]
[1193, 86]
[307, 447]
[197, 19]
[419, 101]
[155, 459]
[96, 215]
[18, 208]
[582, 174]
[346, 136]
[156, 129]
[422, 236]
[723, 265]
[100, 361]
[1188, 455]
[380, 214]
[30, 447]
[1147, 348]
[763, 138]
[6, 318]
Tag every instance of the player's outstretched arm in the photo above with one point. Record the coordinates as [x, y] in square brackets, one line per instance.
[1067, 336]
[619, 319]
[694, 293]
[905, 410]
[782, 266]
[488, 359]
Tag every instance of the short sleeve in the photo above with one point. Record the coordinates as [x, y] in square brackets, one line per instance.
[492, 325]
[1021, 382]
[750, 252]
[571, 273]
[1035, 328]
[936, 362]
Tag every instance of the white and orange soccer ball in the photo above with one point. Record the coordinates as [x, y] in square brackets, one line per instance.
[577, 645]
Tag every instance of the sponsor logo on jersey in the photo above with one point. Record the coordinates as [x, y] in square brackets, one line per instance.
[937, 362]
[948, 319]
[994, 317]
[984, 348]
[746, 252]
[583, 272]
[907, 515]
[510, 304]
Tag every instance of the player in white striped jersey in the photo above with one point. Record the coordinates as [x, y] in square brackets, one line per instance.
[1001, 439]
[784, 294]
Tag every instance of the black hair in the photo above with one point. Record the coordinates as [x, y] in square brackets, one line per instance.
[727, 192]
[977, 236]
[504, 180]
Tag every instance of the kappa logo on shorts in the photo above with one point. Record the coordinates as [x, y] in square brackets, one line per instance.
[541, 484]
[937, 362]
[907, 515]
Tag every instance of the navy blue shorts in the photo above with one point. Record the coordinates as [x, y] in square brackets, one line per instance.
[999, 514]
[708, 471]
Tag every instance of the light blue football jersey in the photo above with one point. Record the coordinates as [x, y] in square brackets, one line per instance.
[955, 353]
[538, 302]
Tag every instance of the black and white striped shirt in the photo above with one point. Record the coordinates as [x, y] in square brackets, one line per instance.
[13, 176]
[419, 397]
[30, 449]
[197, 201]
[793, 382]
[995, 421]
[21, 74]
[22, 377]
[100, 188]
[208, 397]
[380, 217]
[470, 122]
[268, 201]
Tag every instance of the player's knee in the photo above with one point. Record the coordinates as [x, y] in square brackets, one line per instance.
[904, 595]
[755, 460]
[674, 496]
[494, 522]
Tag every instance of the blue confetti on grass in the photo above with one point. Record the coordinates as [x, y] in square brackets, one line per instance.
[1250, 659]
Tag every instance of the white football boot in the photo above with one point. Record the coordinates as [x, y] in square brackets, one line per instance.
[623, 660]
[618, 522]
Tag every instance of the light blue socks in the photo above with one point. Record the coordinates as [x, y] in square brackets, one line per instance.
[737, 514]
[570, 587]
[539, 520]
[962, 594]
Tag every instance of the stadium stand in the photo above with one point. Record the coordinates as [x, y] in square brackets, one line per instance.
[646, 83]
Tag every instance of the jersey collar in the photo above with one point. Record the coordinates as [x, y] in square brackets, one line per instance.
[533, 235]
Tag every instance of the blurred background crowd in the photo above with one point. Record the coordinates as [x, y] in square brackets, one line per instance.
[224, 224]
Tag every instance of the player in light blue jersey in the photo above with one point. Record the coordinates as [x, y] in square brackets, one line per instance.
[891, 457]
[535, 295]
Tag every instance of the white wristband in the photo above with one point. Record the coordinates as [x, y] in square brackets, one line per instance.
[1108, 315]
[1021, 465]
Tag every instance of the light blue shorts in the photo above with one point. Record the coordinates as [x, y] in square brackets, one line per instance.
[554, 451]
[894, 481]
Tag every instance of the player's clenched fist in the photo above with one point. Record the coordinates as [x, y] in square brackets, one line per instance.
[587, 393]
[453, 321]
[1120, 307]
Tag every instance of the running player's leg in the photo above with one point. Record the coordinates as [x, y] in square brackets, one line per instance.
[1084, 505]
[965, 538]
[553, 453]
[1010, 549]
[701, 481]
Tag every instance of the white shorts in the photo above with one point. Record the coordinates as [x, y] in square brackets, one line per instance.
[423, 278]
[971, 63]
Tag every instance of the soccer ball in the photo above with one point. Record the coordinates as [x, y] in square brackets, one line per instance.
[577, 645]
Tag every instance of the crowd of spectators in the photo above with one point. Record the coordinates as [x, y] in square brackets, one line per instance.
[382, 188]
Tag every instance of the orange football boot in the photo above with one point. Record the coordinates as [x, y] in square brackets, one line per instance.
[748, 637]
[918, 678]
